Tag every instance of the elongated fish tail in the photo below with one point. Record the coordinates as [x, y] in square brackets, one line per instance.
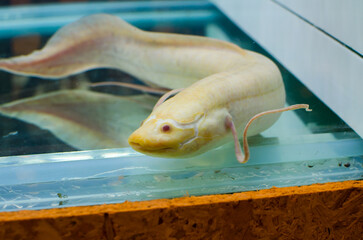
[85, 44]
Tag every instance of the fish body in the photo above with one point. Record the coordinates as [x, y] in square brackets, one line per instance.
[197, 115]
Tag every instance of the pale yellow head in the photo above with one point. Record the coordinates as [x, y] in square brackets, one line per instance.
[176, 130]
[165, 137]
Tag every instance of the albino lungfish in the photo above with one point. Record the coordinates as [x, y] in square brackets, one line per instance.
[221, 87]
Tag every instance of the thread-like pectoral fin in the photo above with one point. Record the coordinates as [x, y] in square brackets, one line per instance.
[85, 44]
[243, 158]
[166, 96]
[139, 87]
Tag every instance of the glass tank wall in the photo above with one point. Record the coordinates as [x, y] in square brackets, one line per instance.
[39, 170]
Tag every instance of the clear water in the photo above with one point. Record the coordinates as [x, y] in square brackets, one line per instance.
[39, 171]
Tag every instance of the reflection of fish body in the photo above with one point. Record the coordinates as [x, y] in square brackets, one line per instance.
[225, 85]
[83, 119]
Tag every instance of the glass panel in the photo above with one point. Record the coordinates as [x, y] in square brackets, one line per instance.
[38, 170]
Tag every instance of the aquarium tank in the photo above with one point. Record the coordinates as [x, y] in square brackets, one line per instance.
[53, 130]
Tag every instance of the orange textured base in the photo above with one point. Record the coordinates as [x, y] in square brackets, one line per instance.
[319, 211]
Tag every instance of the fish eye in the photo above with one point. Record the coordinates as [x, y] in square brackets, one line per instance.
[166, 128]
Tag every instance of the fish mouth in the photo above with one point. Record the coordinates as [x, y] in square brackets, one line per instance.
[143, 149]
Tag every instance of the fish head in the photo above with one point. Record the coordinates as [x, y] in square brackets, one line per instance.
[193, 133]
[165, 137]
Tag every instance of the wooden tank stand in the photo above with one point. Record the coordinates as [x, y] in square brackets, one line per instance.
[319, 211]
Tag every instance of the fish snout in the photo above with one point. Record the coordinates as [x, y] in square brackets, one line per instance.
[146, 143]
[164, 139]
